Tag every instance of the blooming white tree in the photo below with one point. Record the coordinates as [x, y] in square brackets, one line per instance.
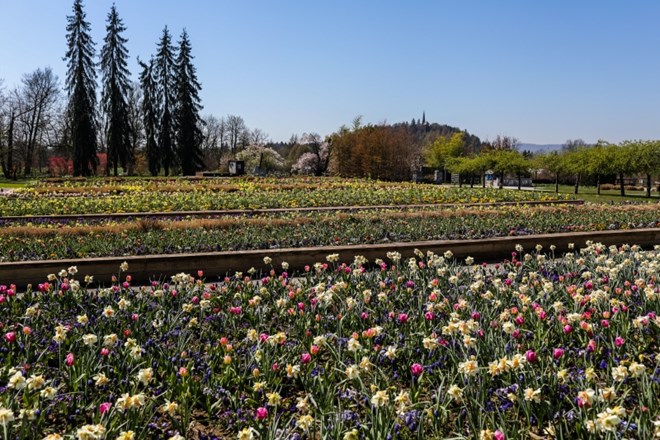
[257, 157]
[317, 160]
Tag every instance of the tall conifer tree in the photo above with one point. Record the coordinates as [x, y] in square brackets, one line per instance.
[187, 120]
[164, 74]
[81, 89]
[116, 87]
[150, 114]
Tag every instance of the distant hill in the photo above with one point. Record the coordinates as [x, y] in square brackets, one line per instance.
[539, 148]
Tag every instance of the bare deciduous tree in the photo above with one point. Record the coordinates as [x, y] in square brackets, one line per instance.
[258, 137]
[28, 114]
[505, 143]
[215, 140]
[136, 134]
[235, 132]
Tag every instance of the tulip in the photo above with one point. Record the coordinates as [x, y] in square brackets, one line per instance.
[531, 357]
[261, 413]
[10, 337]
[416, 369]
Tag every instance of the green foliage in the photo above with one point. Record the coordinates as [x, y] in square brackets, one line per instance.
[186, 114]
[150, 115]
[81, 87]
[443, 149]
[116, 87]
[164, 74]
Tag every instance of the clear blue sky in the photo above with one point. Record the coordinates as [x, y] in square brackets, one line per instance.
[542, 71]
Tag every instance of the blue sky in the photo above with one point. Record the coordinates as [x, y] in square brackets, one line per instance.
[542, 71]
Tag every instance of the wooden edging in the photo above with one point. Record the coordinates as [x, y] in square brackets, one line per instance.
[215, 264]
[228, 212]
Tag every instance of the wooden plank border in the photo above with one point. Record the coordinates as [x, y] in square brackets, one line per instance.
[218, 264]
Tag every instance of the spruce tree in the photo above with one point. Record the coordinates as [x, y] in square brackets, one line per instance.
[116, 87]
[150, 114]
[81, 89]
[164, 74]
[187, 120]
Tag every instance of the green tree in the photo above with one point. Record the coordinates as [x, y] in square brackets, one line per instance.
[516, 163]
[554, 163]
[81, 89]
[116, 87]
[443, 149]
[646, 156]
[575, 162]
[622, 161]
[187, 120]
[150, 115]
[597, 161]
[509, 162]
[164, 73]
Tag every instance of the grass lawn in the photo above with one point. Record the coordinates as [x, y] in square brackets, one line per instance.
[589, 194]
[8, 183]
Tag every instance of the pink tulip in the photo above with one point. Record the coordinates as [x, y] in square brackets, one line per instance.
[105, 407]
[416, 369]
[531, 357]
[261, 413]
[305, 358]
[10, 337]
[619, 341]
[70, 359]
[557, 353]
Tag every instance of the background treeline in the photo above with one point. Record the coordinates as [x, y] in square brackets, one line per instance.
[154, 126]
[633, 163]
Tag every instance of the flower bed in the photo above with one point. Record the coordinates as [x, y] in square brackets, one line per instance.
[59, 239]
[420, 348]
[146, 195]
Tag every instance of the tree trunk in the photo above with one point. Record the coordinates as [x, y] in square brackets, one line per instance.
[557, 183]
[460, 181]
[10, 148]
[648, 185]
[577, 184]
[622, 185]
[519, 181]
[483, 180]
[598, 184]
[471, 180]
